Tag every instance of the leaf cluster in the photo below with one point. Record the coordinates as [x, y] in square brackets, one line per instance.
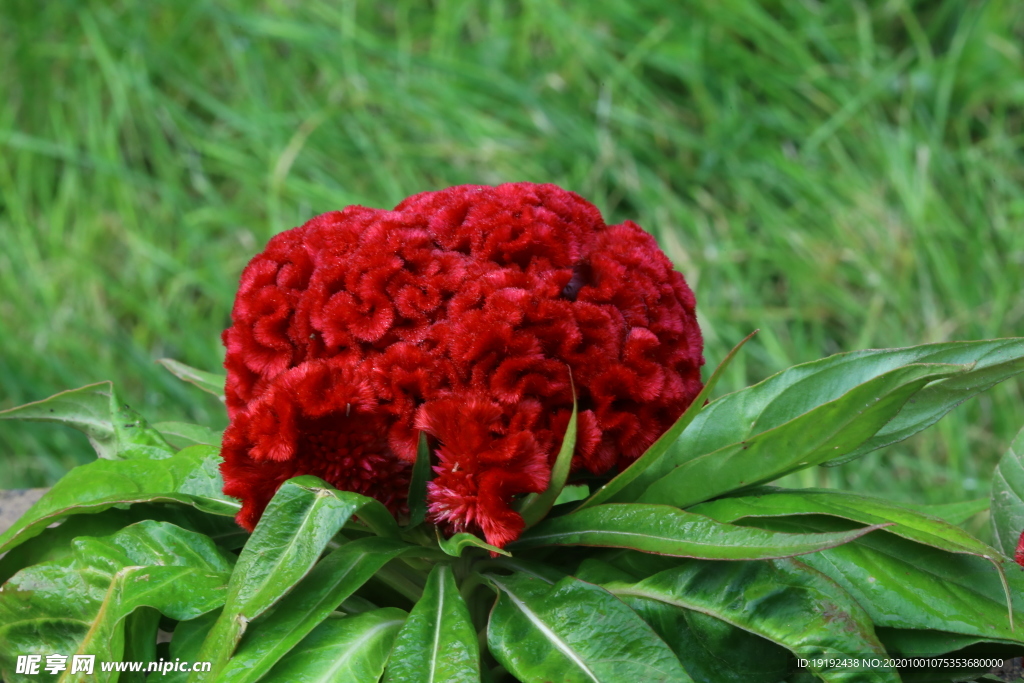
[687, 566]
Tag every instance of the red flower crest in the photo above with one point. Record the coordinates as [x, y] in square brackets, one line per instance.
[461, 313]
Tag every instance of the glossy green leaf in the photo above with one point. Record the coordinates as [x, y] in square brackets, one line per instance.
[573, 631]
[542, 571]
[116, 431]
[926, 643]
[902, 584]
[438, 643]
[809, 432]
[140, 634]
[594, 570]
[418, 482]
[356, 604]
[1008, 497]
[56, 543]
[783, 601]
[907, 523]
[801, 388]
[209, 382]
[953, 513]
[572, 493]
[186, 642]
[455, 545]
[993, 361]
[536, 506]
[191, 477]
[302, 517]
[641, 565]
[732, 421]
[774, 502]
[658, 459]
[351, 649]
[711, 650]
[331, 581]
[78, 604]
[667, 530]
[183, 434]
[372, 516]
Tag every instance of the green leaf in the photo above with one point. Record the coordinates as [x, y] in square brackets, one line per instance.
[924, 643]
[572, 493]
[906, 523]
[953, 513]
[438, 643]
[594, 570]
[792, 430]
[792, 396]
[356, 604]
[209, 382]
[993, 362]
[902, 584]
[56, 543]
[711, 650]
[459, 542]
[418, 482]
[640, 565]
[184, 434]
[351, 649]
[140, 633]
[573, 631]
[799, 389]
[536, 506]
[903, 522]
[1008, 497]
[330, 582]
[115, 431]
[658, 459]
[186, 641]
[781, 600]
[666, 530]
[191, 477]
[78, 604]
[542, 571]
[302, 517]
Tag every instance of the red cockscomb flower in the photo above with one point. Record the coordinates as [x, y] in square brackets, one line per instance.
[460, 313]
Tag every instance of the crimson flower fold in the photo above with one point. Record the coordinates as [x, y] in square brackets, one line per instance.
[461, 313]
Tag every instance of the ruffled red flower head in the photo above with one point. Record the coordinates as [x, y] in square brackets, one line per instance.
[460, 313]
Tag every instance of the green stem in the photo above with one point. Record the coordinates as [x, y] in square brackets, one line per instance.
[478, 604]
[468, 585]
[399, 580]
[419, 565]
[419, 536]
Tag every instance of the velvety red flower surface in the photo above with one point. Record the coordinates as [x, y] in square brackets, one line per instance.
[459, 313]
[1018, 555]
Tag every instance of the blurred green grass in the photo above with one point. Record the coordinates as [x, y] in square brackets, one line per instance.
[842, 175]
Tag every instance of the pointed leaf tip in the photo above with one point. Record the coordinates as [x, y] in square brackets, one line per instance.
[536, 506]
[657, 460]
[115, 431]
[418, 483]
[210, 382]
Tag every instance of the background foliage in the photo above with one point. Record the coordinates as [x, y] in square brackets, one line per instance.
[842, 175]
